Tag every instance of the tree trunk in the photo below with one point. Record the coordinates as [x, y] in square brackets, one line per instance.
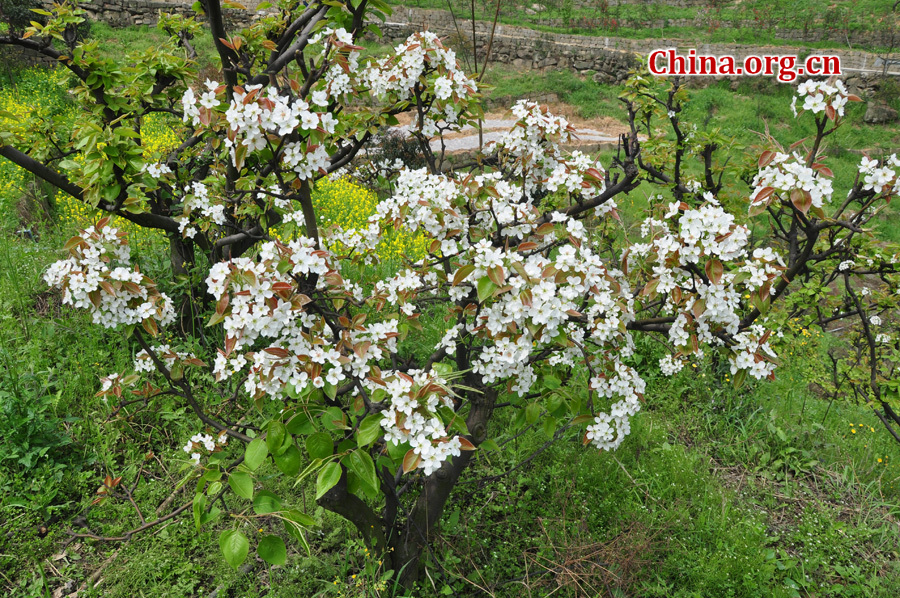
[410, 538]
[181, 258]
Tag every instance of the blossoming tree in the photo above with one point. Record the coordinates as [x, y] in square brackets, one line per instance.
[313, 362]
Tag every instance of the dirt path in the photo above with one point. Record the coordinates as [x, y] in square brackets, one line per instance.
[592, 134]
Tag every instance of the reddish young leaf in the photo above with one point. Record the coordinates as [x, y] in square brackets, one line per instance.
[766, 158]
[150, 326]
[462, 274]
[801, 199]
[497, 275]
[545, 229]
[764, 194]
[465, 445]
[410, 461]
[714, 271]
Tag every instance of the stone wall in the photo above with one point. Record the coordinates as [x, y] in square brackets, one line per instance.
[596, 26]
[607, 58]
[123, 13]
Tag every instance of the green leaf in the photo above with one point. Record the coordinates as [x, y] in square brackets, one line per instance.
[265, 503]
[255, 454]
[289, 461]
[199, 506]
[489, 445]
[235, 547]
[294, 523]
[396, 451]
[739, 378]
[328, 478]
[551, 382]
[369, 429]
[242, 484]
[532, 412]
[299, 424]
[275, 437]
[319, 445]
[549, 426]
[360, 463]
[271, 549]
[334, 418]
[485, 289]
[214, 489]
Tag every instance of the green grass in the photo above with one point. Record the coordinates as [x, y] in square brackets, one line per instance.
[726, 21]
[115, 42]
[718, 492]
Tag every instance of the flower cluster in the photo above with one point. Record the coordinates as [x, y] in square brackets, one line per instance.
[533, 148]
[823, 96]
[98, 277]
[609, 429]
[339, 78]
[423, 56]
[753, 354]
[197, 199]
[204, 441]
[166, 355]
[414, 400]
[156, 170]
[705, 302]
[258, 300]
[881, 178]
[788, 174]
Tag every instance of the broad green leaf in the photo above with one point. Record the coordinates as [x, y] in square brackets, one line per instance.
[361, 464]
[319, 445]
[549, 425]
[214, 489]
[199, 507]
[235, 547]
[485, 289]
[289, 461]
[328, 478]
[242, 484]
[489, 445]
[369, 429]
[334, 419]
[275, 437]
[299, 424]
[551, 382]
[255, 454]
[271, 549]
[265, 502]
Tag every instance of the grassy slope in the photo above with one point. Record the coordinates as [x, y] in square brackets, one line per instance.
[718, 493]
[720, 21]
